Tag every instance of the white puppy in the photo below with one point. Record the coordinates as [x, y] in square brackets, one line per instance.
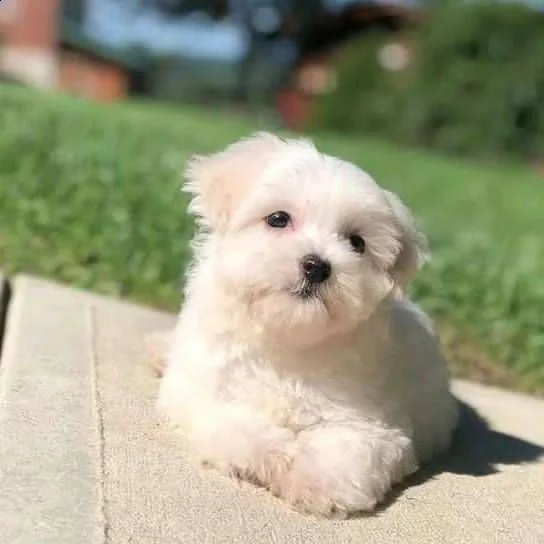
[296, 362]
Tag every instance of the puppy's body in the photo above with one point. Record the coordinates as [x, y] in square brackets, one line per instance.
[328, 391]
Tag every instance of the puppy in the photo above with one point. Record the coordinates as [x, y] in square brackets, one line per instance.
[297, 363]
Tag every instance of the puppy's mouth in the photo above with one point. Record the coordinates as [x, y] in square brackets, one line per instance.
[306, 290]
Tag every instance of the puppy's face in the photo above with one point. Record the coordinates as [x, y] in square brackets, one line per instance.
[307, 245]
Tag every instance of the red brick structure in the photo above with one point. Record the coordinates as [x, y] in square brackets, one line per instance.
[33, 51]
[32, 25]
[28, 40]
[91, 77]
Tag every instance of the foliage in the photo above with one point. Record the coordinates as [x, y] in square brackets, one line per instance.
[480, 83]
[366, 96]
[476, 86]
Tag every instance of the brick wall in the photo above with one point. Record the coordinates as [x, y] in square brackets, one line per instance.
[32, 24]
[8, 12]
[29, 39]
[91, 78]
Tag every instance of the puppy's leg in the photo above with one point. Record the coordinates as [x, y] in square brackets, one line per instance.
[343, 469]
[157, 348]
[241, 443]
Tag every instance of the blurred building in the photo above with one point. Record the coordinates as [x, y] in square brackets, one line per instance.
[42, 45]
[28, 40]
[272, 50]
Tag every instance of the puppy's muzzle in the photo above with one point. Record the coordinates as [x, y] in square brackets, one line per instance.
[315, 269]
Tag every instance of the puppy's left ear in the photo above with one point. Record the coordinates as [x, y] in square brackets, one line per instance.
[414, 251]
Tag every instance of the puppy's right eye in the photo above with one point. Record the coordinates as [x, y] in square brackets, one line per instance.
[278, 220]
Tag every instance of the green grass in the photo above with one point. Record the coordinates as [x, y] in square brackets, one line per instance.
[89, 195]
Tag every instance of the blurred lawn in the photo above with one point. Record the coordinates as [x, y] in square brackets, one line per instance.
[90, 195]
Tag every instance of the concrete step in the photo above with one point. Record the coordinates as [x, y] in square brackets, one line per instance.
[84, 460]
[4, 300]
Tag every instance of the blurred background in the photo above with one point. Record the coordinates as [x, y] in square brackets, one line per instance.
[102, 101]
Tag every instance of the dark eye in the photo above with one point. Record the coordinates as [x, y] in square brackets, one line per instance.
[278, 220]
[357, 243]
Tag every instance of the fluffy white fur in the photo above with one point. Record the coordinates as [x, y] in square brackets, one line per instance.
[326, 400]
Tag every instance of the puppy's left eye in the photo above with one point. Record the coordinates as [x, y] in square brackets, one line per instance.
[357, 243]
[278, 220]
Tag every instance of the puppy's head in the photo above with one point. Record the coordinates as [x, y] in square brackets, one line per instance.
[306, 244]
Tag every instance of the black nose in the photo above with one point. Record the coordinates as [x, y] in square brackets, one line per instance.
[316, 270]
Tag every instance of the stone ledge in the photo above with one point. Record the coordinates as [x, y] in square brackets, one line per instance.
[83, 459]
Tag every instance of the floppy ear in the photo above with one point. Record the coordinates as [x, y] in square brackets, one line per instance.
[219, 181]
[414, 250]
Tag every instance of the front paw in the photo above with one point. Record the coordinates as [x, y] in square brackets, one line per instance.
[340, 471]
[241, 444]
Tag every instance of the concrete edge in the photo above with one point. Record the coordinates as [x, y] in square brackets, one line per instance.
[463, 387]
[5, 297]
[21, 281]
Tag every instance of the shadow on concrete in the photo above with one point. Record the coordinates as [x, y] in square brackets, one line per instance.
[476, 451]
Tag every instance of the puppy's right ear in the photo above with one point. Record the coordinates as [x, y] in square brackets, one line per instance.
[414, 251]
[218, 182]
